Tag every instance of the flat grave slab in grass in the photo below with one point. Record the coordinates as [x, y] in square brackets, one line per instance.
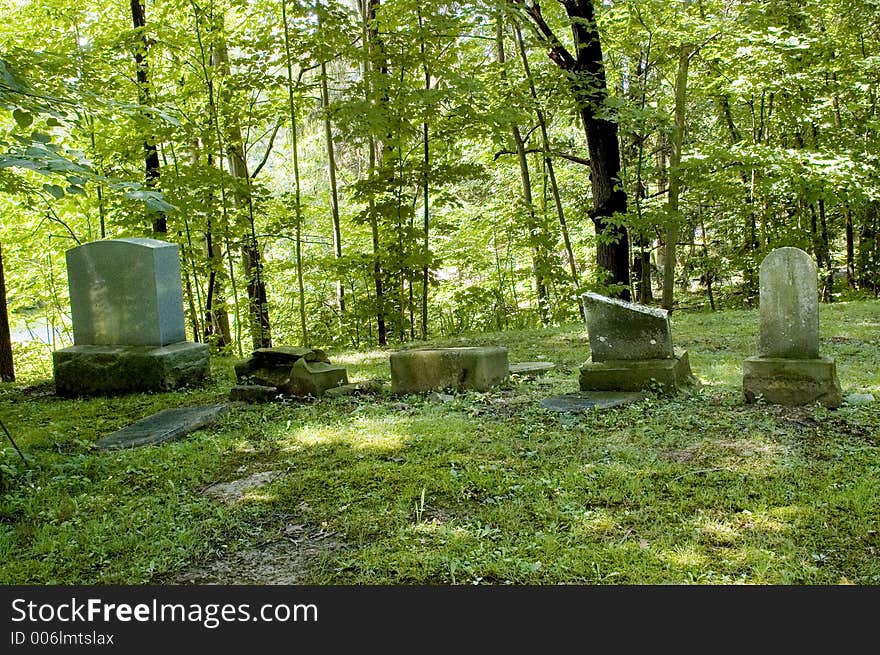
[585, 401]
[531, 368]
[165, 425]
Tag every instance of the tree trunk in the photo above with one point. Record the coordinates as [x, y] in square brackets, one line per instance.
[551, 173]
[334, 196]
[7, 370]
[587, 73]
[151, 153]
[373, 45]
[672, 227]
[532, 229]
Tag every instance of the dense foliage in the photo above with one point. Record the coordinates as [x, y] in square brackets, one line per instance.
[345, 173]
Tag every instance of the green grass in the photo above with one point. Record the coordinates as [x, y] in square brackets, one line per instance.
[488, 488]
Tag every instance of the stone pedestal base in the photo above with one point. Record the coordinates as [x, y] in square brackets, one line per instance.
[637, 374]
[792, 381]
[110, 370]
[429, 369]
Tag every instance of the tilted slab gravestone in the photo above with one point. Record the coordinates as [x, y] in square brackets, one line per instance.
[630, 348]
[128, 325]
[590, 400]
[428, 369]
[164, 425]
[788, 369]
[623, 330]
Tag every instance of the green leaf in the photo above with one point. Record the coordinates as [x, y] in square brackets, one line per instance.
[54, 190]
[23, 118]
[152, 199]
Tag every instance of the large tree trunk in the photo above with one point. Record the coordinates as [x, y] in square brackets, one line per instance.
[151, 153]
[7, 370]
[587, 72]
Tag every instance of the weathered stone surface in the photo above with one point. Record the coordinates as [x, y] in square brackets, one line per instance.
[590, 400]
[637, 375]
[429, 369]
[620, 330]
[785, 381]
[253, 393]
[313, 378]
[166, 425]
[125, 292]
[288, 355]
[531, 368]
[106, 370]
[789, 305]
[859, 399]
[250, 372]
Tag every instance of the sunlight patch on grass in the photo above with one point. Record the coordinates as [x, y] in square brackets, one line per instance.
[683, 556]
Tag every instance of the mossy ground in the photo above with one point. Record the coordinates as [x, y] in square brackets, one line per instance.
[485, 488]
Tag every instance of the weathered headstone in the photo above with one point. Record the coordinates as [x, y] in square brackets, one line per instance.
[164, 425]
[630, 348]
[128, 327]
[788, 369]
[428, 369]
[125, 292]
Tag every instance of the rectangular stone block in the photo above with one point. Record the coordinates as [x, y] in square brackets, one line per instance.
[637, 375]
[428, 369]
[785, 381]
[107, 370]
[125, 292]
[620, 330]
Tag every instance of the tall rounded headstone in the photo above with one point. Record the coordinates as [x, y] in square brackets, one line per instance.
[789, 305]
[788, 369]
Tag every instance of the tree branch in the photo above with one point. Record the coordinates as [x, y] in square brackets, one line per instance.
[539, 151]
[557, 52]
[268, 150]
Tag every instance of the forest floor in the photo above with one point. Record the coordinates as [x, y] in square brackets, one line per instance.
[476, 488]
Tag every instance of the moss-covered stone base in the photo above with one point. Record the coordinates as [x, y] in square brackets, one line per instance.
[429, 369]
[637, 374]
[783, 381]
[111, 370]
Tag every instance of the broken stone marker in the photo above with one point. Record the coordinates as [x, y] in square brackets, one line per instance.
[430, 369]
[165, 425]
[291, 372]
[128, 328]
[788, 369]
[630, 348]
